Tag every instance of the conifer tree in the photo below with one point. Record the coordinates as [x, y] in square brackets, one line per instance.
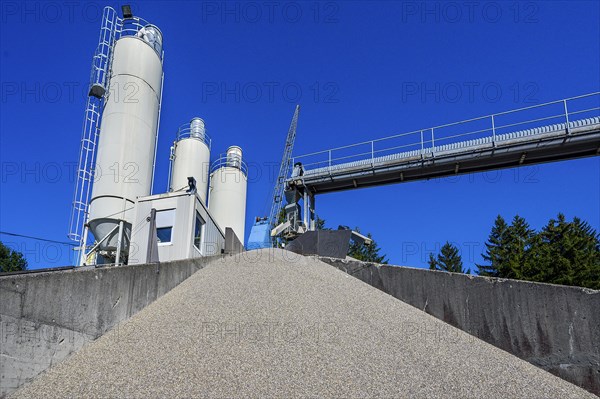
[10, 260]
[518, 239]
[366, 253]
[448, 259]
[495, 252]
[565, 253]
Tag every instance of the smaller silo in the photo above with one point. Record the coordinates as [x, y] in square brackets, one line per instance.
[227, 195]
[190, 157]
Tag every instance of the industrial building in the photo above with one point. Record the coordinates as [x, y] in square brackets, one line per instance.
[115, 218]
[188, 312]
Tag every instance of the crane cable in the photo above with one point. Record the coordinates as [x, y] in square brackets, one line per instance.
[37, 238]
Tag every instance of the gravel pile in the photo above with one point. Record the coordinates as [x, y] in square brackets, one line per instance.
[273, 324]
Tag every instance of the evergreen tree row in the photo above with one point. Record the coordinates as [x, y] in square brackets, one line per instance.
[562, 252]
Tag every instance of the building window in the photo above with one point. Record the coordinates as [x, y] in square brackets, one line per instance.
[165, 220]
[164, 234]
[198, 231]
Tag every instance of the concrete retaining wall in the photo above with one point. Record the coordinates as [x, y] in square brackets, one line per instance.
[233, 245]
[551, 326]
[47, 316]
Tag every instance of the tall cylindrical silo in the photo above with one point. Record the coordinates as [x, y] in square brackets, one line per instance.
[227, 195]
[191, 158]
[126, 143]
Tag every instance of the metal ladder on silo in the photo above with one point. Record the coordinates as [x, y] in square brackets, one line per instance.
[99, 81]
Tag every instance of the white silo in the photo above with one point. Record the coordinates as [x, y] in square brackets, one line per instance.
[227, 196]
[126, 146]
[190, 157]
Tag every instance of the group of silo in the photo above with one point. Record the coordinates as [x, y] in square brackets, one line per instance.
[126, 151]
[190, 158]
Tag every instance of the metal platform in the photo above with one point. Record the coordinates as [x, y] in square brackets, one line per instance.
[525, 137]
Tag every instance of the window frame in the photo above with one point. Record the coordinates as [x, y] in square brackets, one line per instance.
[197, 219]
[165, 219]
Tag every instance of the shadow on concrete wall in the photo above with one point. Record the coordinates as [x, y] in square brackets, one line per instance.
[554, 327]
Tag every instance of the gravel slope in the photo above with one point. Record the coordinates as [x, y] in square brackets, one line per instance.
[273, 324]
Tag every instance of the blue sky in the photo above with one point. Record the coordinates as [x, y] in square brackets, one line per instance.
[360, 70]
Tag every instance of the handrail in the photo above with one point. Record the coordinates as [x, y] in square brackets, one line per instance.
[144, 30]
[493, 128]
[229, 161]
[185, 131]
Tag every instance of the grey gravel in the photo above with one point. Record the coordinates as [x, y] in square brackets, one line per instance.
[274, 324]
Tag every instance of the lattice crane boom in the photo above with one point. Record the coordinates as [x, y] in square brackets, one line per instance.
[284, 170]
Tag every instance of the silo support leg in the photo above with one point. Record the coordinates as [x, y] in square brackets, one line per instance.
[119, 243]
[95, 247]
[311, 197]
[82, 254]
[305, 209]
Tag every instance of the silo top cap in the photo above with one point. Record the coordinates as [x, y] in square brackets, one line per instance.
[234, 156]
[234, 152]
[197, 128]
[151, 35]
